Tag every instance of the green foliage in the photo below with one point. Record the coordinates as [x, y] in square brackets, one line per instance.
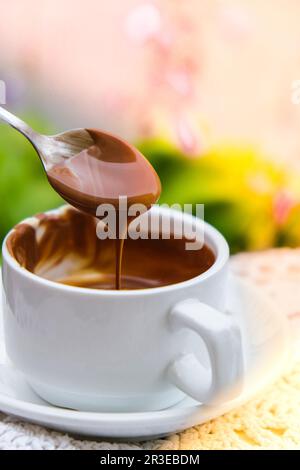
[238, 186]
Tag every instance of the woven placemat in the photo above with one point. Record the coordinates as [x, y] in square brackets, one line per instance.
[270, 421]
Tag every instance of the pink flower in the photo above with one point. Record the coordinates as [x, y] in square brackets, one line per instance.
[188, 137]
[181, 81]
[282, 206]
[173, 72]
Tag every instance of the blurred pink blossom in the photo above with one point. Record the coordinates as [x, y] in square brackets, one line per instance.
[188, 137]
[172, 73]
[143, 22]
[282, 206]
[181, 81]
[236, 22]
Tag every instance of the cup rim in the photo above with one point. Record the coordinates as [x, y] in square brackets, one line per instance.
[212, 237]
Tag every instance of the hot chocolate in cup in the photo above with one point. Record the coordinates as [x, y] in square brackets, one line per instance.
[83, 345]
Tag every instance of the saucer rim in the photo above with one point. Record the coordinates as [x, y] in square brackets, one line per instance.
[61, 418]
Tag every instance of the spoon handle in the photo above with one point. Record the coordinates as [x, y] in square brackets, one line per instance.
[18, 124]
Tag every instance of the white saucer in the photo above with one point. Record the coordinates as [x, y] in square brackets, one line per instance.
[265, 342]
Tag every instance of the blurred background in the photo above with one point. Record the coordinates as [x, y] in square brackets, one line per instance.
[204, 88]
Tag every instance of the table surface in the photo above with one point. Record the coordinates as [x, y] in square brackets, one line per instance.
[270, 421]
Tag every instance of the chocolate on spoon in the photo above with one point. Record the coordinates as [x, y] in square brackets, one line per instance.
[88, 167]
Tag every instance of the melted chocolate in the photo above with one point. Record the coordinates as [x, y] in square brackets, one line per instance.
[64, 248]
[101, 174]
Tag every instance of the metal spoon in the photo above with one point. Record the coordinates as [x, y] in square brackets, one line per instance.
[51, 149]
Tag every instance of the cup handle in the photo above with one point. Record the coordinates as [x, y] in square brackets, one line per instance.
[222, 338]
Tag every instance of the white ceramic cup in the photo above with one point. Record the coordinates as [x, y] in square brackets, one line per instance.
[136, 350]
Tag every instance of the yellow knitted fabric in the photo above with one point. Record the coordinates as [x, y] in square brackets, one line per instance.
[271, 421]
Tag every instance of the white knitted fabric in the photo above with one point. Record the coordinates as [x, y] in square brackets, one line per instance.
[270, 421]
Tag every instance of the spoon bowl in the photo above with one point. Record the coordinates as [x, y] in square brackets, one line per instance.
[89, 167]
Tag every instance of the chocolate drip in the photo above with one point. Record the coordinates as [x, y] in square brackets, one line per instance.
[100, 174]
